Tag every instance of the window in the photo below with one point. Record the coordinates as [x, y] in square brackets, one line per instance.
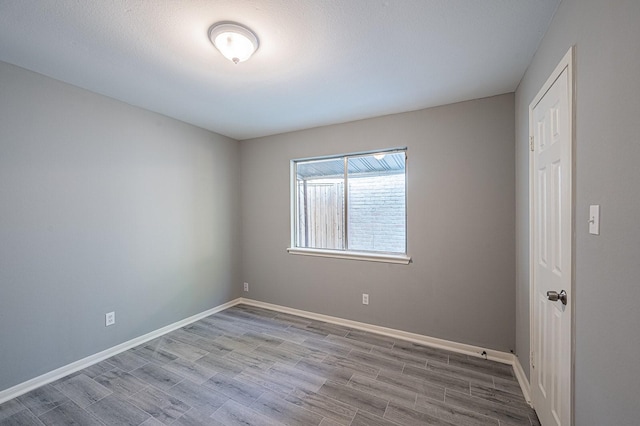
[351, 206]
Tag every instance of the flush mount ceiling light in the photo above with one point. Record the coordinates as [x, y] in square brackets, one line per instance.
[379, 156]
[235, 42]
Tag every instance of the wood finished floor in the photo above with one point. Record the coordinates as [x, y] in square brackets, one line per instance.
[251, 366]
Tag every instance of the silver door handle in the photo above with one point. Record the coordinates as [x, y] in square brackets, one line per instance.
[554, 296]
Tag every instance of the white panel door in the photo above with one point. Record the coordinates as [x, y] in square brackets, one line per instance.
[551, 258]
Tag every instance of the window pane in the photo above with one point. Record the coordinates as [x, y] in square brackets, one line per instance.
[376, 203]
[372, 210]
[320, 204]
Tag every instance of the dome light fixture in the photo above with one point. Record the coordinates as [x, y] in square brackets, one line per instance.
[379, 156]
[236, 42]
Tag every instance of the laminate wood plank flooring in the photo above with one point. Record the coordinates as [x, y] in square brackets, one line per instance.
[253, 366]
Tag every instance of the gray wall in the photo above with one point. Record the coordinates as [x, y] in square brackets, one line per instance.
[461, 222]
[104, 207]
[607, 153]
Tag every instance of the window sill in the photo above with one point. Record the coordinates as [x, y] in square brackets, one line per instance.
[352, 255]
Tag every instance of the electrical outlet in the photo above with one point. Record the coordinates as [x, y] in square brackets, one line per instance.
[246, 286]
[365, 299]
[109, 319]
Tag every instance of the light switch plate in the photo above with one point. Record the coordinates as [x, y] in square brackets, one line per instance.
[594, 219]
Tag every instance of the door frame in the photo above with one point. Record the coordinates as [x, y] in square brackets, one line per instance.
[567, 63]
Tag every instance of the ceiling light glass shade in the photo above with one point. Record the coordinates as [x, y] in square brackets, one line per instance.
[235, 42]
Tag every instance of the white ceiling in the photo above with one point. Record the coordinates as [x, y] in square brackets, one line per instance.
[319, 62]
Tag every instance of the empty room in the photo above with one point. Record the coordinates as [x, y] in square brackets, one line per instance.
[319, 212]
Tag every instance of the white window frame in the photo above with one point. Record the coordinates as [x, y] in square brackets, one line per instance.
[396, 258]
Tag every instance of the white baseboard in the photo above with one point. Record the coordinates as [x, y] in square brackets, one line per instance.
[63, 371]
[503, 357]
[462, 348]
[522, 379]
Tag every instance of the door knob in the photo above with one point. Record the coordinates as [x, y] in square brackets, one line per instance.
[554, 296]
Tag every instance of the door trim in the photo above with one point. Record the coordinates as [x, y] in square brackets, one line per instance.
[567, 63]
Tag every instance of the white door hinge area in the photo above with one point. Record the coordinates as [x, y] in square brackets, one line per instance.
[531, 144]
